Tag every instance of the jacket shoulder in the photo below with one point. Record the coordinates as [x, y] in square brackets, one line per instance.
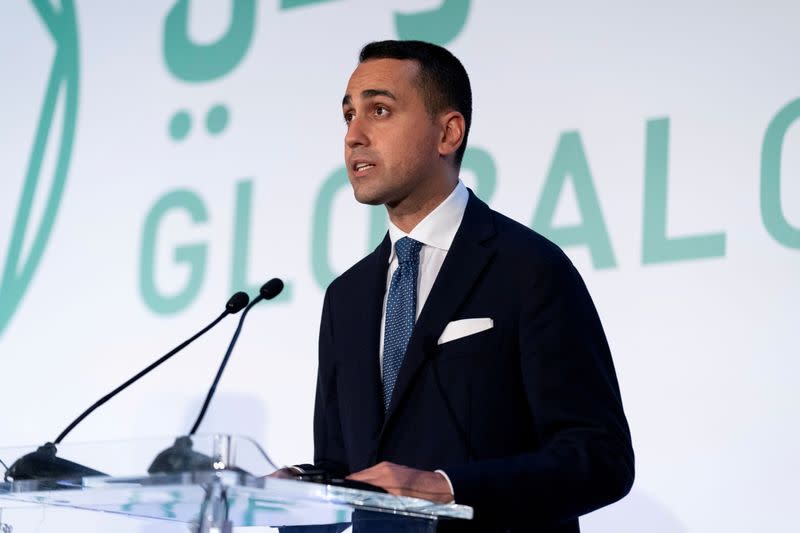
[526, 245]
[356, 274]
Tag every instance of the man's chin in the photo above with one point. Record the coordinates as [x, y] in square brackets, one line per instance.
[367, 198]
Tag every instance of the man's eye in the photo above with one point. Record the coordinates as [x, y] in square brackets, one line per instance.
[348, 117]
[381, 110]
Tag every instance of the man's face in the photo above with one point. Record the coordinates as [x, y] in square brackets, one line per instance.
[391, 144]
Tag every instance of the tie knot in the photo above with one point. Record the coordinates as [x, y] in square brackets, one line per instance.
[407, 249]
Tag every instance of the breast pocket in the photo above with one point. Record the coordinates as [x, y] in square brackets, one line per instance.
[468, 337]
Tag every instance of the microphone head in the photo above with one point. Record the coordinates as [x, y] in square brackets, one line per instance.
[237, 302]
[271, 289]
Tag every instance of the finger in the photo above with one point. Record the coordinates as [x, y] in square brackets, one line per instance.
[283, 473]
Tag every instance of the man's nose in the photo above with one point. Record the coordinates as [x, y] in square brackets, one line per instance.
[356, 134]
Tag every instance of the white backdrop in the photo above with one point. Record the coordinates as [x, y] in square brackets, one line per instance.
[666, 136]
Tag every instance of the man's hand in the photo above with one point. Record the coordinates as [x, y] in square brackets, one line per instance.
[283, 473]
[405, 481]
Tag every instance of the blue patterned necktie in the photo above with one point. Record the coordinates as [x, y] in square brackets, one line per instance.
[401, 312]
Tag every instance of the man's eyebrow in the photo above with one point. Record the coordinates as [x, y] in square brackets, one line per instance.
[369, 93]
[372, 93]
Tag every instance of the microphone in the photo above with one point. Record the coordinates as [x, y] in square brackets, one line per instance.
[180, 457]
[44, 464]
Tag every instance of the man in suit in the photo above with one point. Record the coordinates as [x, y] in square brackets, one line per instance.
[463, 360]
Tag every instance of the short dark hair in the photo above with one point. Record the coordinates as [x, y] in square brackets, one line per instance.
[442, 77]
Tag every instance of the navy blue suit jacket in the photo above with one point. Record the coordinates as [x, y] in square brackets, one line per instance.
[525, 418]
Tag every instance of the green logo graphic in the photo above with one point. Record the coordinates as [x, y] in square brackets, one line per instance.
[439, 26]
[193, 62]
[62, 86]
[772, 214]
[199, 63]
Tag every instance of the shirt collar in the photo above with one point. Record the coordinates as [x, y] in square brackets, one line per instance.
[439, 227]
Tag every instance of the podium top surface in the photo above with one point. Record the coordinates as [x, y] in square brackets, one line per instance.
[231, 467]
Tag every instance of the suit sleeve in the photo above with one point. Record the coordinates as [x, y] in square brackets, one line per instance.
[585, 458]
[329, 453]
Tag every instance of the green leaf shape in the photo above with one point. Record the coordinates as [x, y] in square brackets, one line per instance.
[62, 82]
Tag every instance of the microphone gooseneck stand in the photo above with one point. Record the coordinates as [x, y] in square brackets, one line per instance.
[180, 457]
[44, 462]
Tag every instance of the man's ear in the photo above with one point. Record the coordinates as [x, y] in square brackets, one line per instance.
[452, 136]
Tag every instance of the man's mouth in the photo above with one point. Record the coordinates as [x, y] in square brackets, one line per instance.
[362, 168]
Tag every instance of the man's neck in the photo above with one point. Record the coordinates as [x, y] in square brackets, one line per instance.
[406, 215]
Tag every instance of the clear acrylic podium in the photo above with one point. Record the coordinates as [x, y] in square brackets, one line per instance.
[231, 493]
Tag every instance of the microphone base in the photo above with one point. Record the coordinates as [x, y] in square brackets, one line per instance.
[180, 457]
[44, 464]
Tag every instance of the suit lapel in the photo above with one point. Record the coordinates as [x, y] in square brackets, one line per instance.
[466, 259]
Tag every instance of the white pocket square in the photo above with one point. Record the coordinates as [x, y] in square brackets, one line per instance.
[461, 328]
